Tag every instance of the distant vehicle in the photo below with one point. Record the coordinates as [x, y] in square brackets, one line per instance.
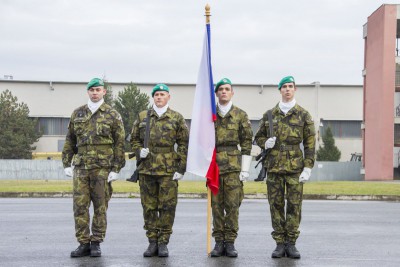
[356, 157]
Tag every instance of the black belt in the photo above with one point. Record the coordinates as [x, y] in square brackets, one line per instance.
[284, 147]
[82, 149]
[226, 148]
[162, 149]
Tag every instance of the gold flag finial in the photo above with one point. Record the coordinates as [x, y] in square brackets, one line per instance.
[208, 14]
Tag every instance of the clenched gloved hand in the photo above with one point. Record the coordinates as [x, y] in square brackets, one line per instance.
[112, 176]
[305, 175]
[270, 143]
[245, 167]
[69, 171]
[243, 176]
[144, 152]
[177, 176]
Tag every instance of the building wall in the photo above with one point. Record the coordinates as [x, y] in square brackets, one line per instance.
[379, 90]
[327, 102]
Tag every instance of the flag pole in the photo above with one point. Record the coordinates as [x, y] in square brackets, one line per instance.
[208, 15]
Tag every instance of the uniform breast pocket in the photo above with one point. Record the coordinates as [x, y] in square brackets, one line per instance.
[168, 129]
[295, 134]
[79, 128]
[232, 131]
[103, 129]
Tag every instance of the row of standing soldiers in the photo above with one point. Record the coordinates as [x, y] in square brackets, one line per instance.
[93, 155]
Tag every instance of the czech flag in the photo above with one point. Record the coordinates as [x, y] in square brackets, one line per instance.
[201, 158]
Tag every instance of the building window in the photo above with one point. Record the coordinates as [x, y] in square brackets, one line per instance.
[397, 135]
[53, 126]
[342, 129]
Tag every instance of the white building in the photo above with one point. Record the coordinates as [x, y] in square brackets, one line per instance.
[340, 106]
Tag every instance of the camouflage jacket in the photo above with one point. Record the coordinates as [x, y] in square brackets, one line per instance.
[165, 132]
[232, 130]
[95, 140]
[291, 130]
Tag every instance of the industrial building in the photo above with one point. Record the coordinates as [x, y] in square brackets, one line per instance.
[381, 94]
[337, 106]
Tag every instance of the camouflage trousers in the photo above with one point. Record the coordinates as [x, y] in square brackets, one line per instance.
[285, 225]
[159, 197]
[225, 207]
[91, 186]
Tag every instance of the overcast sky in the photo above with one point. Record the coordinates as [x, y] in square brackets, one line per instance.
[253, 41]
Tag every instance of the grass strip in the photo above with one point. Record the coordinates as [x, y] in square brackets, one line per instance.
[322, 188]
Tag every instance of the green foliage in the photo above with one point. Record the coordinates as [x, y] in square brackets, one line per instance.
[329, 151]
[129, 103]
[17, 131]
[109, 97]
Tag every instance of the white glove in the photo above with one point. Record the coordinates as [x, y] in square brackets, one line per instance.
[112, 176]
[68, 171]
[270, 143]
[305, 175]
[245, 167]
[144, 152]
[177, 176]
[243, 176]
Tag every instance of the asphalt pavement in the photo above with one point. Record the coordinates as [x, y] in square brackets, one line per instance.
[40, 232]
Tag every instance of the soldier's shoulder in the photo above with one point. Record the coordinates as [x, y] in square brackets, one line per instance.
[304, 113]
[236, 111]
[107, 108]
[274, 109]
[79, 110]
[111, 112]
[143, 113]
[83, 107]
[301, 109]
[175, 113]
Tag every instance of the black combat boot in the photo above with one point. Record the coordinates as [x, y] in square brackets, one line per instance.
[219, 249]
[152, 250]
[162, 250]
[230, 249]
[279, 251]
[95, 250]
[291, 251]
[82, 250]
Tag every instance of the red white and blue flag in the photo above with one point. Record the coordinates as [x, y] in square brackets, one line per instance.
[201, 158]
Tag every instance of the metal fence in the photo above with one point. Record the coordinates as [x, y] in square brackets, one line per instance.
[53, 170]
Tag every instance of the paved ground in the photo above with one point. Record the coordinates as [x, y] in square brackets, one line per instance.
[39, 232]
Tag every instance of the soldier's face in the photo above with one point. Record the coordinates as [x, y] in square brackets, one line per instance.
[224, 94]
[96, 93]
[161, 98]
[287, 92]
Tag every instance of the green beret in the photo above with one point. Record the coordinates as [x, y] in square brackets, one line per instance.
[221, 82]
[159, 87]
[95, 82]
[287, 79]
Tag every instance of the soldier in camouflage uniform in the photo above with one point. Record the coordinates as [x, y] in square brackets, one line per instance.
[233, 129]
[95, 147]
[286, 166]
[161, 168]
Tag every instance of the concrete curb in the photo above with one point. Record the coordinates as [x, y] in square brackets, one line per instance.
[202, 195]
